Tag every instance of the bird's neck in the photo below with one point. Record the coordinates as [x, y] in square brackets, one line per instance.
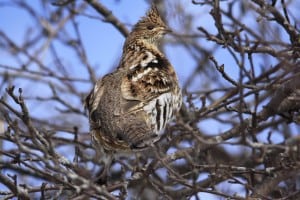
[134, 50]
[139, 45]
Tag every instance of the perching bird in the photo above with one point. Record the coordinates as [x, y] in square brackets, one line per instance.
[130, 107]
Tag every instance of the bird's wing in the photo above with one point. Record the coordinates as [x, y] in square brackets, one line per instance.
[144, 83]
[92, 101]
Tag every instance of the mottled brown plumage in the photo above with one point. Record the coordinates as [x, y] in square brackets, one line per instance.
[130, 107]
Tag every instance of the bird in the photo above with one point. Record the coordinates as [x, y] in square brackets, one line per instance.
[130, 107]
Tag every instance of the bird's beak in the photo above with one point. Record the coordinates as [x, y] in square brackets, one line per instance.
[168, 30]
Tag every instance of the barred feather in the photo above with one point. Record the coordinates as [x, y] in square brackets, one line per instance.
[130, 107]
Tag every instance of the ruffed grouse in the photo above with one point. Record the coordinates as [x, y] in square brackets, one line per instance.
[130, 107]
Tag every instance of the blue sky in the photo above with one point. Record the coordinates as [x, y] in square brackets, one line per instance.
[104, 43]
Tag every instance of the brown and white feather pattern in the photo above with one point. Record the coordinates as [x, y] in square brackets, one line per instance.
[153, 82]
[129, 108]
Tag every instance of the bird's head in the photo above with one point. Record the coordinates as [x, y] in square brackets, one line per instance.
[150, 28]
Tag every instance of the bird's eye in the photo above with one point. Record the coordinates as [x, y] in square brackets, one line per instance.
[150, 27]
